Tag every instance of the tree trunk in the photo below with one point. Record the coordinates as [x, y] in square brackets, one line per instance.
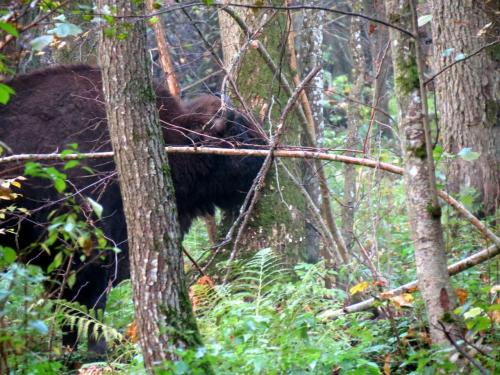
[162, 307]
[277, 221]
[378, 36]
[308, 27]
[468, 96]
[353, 122]
[423, 211]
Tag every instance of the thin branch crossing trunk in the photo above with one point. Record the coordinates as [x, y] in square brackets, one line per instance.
[423, 209]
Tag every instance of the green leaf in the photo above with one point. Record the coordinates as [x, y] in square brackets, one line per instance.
[447, 52]
[472, 313]
[478, 324]
[425, 19]
[56, 262]
[71, 279]
[96, 207]
[41, 42]
[59, 184]
[69, 227]
[5, 93]
[9, 28]
[63, 30]
[468, 155]
[39, 326]
[60, 18]
[7, 256]
[153, 20]
[71, 164]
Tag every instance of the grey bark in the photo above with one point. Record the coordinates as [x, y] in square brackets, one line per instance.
[353, 122]
[423, 211]
[378, 39]
[309, 25]
[468, 96]
[163, 311]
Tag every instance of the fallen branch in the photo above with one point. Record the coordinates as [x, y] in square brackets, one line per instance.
[280, 153]
[453, 269]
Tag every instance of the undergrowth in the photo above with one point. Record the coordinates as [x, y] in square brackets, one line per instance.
[266, 321]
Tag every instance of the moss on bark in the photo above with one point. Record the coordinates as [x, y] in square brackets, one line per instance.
[277, 220]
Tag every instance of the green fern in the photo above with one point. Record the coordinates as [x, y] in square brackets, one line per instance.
[259, 274]
[86, 321]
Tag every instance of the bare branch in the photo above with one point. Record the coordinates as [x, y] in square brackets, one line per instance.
[479, 50]
[281, 153]
[453, 269]
[474, 362]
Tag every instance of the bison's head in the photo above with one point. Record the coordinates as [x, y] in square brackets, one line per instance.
[221, 124]
[219, 180]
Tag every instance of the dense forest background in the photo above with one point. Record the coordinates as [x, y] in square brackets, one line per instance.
[368, 242]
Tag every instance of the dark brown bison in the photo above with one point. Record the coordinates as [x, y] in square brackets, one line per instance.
[56, 107]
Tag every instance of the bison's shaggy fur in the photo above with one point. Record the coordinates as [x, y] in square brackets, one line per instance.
[55, 107]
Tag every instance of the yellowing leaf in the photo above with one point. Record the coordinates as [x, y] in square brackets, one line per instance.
[472, 313]
[362, 286]
[132, 333]
[386, 295]
[461, 295]
[403, 300]
[495, 316]
[387, 365]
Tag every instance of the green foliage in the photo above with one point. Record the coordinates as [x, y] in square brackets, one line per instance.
[87, 321]
[62, 29]
[25, 319]
[264, 322]
[5, 93]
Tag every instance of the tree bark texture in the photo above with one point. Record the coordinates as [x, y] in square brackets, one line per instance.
[308, 27]
[424, 214]
[468, 95]
[166, 62]
[277, 220]
[353, 122]
[378, 39]
[162, 308]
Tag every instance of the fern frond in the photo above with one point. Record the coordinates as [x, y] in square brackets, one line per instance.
[259, 274]
[86, 321]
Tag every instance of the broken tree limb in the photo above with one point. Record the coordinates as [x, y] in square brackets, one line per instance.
[453, 269]
[279, 153]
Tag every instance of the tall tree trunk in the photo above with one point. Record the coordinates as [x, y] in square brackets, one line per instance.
[277, 220]
[353, 122]
[468, 95]
[423, 210]
[162, 308]
[378, 36]
[308, 28]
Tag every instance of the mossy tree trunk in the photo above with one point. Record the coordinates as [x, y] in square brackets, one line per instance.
[162, 308]
[421, 196]
[278, 220]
